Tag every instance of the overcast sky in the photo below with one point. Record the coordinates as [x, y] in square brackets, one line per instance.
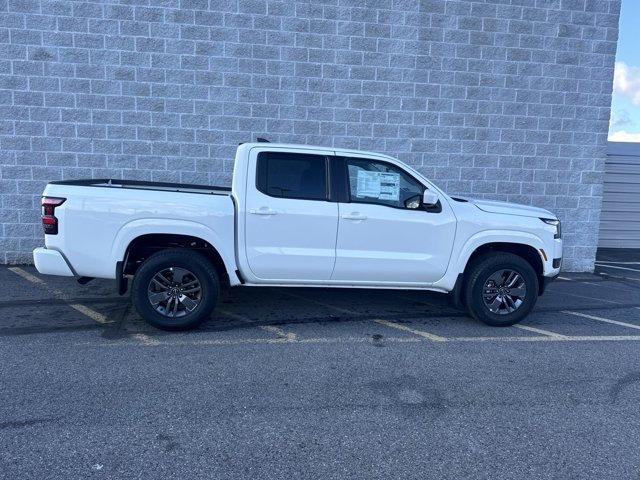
[625, 105]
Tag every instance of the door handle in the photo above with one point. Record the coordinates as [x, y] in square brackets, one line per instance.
[263, 211]
[354, 216]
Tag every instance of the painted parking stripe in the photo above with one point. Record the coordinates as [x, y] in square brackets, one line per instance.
[595, 298]
[602, 319]
[146, 339]
[27, 276]
[83, 309]
[572, 338]
[386, 323]
[590, 298]
[288, 336]
[539, 330]
[89, 312]
[129, 342]
[420, 333]
[608, 275]
[253, 341]
[579, 281]
[618, 268]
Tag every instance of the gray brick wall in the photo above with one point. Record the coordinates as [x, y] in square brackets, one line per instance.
[504, 99]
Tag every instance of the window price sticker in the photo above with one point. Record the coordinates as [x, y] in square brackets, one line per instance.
[380, 185]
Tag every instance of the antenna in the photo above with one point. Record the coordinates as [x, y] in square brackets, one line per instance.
[262, 140]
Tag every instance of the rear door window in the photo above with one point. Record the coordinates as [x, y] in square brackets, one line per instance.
[292, 175]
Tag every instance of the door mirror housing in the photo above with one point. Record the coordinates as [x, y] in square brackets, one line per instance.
[429, 199]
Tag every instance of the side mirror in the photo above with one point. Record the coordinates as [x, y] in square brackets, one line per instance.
[429, 198]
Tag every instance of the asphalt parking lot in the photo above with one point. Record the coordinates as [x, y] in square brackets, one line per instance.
[315, 383]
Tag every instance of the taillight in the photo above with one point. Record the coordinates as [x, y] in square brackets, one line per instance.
[49, 220]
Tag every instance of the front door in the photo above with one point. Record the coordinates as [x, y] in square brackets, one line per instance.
[385, 234]
[290, 224]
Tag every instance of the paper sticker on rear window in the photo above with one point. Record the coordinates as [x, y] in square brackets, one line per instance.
[380, 185]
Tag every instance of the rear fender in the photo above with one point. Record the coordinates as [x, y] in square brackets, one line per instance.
[134, 229]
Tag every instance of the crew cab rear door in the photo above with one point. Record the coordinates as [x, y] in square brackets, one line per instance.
[290, 224]
[385, 234]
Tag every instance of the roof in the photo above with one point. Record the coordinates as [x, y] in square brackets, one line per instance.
[338, 151]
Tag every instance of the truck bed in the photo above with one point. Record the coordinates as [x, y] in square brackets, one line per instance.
[144, 185]
[99, 218]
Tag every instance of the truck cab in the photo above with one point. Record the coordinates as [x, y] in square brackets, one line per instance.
[338, 217]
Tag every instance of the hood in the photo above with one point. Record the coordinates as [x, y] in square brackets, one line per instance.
[507, 208]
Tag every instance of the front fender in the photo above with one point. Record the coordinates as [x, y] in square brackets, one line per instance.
[496, 236]
[145, 226]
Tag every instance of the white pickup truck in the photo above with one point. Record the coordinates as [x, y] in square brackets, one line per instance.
[298, 216]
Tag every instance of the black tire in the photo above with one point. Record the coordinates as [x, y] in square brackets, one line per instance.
[481, 272]
[196, 266]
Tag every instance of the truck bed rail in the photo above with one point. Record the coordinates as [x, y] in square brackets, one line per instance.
[145, 185]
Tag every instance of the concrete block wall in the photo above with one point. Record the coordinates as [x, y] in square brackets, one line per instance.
[503, 99]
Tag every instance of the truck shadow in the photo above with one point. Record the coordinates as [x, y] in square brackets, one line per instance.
[246, 308]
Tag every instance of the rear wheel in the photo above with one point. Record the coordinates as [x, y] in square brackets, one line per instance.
[175, 289]
[501, 289]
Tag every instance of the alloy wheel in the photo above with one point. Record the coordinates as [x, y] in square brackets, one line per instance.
[174, 292]
[504, 291]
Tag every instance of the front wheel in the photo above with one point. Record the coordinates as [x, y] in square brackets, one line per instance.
[175, 289]
[501, 289]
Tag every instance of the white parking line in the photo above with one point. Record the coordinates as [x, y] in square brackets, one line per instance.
[603, 275]
[146, 339]
[602, 319]
[420, 333]
[618, 268]
[590, 298]
[288, 336]
[630, 279]
[360, 340]
[573, 338]
[26, 275]
[539, 330]
[89, 312]
[83, 309]
[574, 280]
[595, 298]
[607, 275]
[253, 341]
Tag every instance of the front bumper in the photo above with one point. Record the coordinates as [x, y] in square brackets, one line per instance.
[51, 262]
[553, 262]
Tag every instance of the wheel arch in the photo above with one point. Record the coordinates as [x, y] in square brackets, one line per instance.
[525, 251]
[143, 246]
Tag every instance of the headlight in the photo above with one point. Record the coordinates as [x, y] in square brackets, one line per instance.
[556, 223]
